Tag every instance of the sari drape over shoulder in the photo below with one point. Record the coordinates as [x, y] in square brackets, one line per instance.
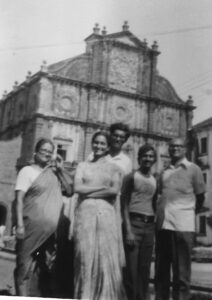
[41, 211]
[98, 251]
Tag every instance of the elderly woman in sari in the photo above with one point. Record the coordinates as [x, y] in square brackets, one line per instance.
[38, 207]
[98, 258]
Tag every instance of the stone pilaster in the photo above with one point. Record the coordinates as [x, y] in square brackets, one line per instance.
[87, 145]
[153, 55]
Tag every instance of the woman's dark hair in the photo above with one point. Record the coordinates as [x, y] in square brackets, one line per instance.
[120, 126]
[41, 142]
[103, 133]
[146, 148]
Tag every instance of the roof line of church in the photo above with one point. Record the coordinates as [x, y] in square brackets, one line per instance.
[100, 87]
[111, 38]
[115, 91]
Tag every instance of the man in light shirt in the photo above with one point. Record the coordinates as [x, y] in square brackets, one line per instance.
[182, 194]
[119, 134]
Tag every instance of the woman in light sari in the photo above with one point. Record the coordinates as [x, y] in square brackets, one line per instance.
[38, 206]
[98, 259]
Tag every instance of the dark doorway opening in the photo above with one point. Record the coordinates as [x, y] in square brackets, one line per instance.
[3, 214]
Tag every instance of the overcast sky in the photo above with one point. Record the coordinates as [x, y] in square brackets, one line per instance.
[35, 30]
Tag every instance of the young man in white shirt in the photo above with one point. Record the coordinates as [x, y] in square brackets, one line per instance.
[119, 134]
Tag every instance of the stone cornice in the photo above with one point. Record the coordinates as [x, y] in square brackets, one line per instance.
[86, 124]
[139, 45]
[99, 87]
[25, 84]
[122, 45]
[118, 92]
[90, 124]
[93, 36]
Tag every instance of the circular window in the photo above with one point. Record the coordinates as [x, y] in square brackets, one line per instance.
[66, 103]
[121, 112]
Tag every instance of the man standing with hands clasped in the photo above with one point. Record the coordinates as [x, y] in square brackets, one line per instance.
[181, 188]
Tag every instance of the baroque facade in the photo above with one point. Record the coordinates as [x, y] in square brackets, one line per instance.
[115, 80]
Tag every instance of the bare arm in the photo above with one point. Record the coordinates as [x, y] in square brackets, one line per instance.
[67, 183]
[84, 189]
[154, 201]
[80, 186]
[199, 189]
[126, 218]
[106, 192]
[109, 191]
[155, 196]
[19, 213]
[65, 179]
[200, 198]
[127, 187]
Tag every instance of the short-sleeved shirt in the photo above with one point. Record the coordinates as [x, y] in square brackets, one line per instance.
[122, 161]
[26, 176]
[99, 173]
[179, 185]
[139, 190]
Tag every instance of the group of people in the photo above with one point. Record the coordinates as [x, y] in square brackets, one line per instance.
[121, 214]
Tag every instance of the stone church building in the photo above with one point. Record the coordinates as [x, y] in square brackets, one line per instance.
[115, 80]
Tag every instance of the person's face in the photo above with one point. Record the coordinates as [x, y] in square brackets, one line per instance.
[177, 149]
[100, 146]
[44, 154]
[117, 139]
[147, 160]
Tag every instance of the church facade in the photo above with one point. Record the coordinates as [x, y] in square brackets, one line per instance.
[115, 80]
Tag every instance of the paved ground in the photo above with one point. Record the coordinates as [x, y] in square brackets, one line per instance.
[201, 277]
[7, 265]
[201, 273]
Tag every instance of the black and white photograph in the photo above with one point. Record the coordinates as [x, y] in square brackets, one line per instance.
[106, 149]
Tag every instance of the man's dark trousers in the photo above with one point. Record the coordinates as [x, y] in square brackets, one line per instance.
[139, 259]
[173, 249]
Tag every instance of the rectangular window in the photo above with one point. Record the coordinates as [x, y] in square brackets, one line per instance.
[203, 145]
[202, 225]
[62, 151]
[64, 148]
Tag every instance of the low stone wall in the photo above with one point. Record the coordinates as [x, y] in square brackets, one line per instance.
[202, 254]
[201, 296]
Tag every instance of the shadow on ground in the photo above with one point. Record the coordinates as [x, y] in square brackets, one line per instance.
[198, 296]
[5, 293]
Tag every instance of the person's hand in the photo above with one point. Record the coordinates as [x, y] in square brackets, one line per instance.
[20, 231]
[130, 239]
[59, 163]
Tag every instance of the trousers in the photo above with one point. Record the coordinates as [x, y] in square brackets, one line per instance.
[173, 252]
[138, 259]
